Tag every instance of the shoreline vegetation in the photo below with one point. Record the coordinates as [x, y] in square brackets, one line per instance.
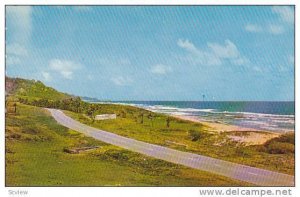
[252, 137]
[32, 133]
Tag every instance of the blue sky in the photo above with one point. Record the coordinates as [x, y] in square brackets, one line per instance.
[155, 52]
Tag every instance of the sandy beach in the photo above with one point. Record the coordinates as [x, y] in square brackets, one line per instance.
[215, 126]
[247, 136]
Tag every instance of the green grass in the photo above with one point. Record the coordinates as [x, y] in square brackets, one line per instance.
[35, 157]
[188, 136]
[32, 89]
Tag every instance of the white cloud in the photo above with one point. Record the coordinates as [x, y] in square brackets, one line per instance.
[286, 13]
[214, 54]
[187, 45]
[228, 50]
[160, 69]
[16, 49]
[20, 24]
[121, 81]
[198, 56]
[15, 53]
[19, 17]
[12, 60]
[46, 76]
[253, 28]
[276, 29]
[65, 68]
[241, 60]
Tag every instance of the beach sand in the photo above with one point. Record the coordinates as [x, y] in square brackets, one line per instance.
[247, 136]
[252, 137]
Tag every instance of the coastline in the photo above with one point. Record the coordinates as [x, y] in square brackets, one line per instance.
[247, 136]
[218, 127]
[222, 115]
[239, 134]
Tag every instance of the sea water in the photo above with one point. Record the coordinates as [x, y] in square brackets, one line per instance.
[262, 115]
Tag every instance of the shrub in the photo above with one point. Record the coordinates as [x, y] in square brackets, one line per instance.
[285, 138]
[30, 130]
[288, 138]
[117, 155]
[280, 145]
[243, 152]
[280, 148]
[15, 136]
[123, 114]
[195, 135]
[261, 148]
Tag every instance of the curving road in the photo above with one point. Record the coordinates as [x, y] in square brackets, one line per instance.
[235, 171]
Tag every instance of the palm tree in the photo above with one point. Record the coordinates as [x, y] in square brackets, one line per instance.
[142, 118]
[150, 117]
[168, 120]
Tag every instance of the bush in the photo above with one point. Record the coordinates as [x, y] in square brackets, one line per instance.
[117, 155]
[15, 136]
[30, 130]
[243, 152]
[285, 138]
[261, 148]
[280, 148]
[195, 135]
[280, 145]
[288, 138]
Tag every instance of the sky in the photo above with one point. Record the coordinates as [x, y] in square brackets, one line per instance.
[178, 53]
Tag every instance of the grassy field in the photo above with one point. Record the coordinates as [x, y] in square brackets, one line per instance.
[188, 136]
[35, 156]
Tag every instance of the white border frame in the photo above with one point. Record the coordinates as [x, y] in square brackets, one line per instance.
[132, 191]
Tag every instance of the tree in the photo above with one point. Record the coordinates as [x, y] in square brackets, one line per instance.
[77, 104]
[195, 135]
[151, 117]
[91, 111]
[142, 118]
[168, 120]
[123, 114]
[135, 117]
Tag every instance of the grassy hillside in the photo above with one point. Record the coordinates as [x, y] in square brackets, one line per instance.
[32, 89]
[36, 156]
[35, 93]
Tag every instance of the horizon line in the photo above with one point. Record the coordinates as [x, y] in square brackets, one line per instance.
[108, 100]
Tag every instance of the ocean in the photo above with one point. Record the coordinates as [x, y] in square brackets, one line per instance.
[262, 115]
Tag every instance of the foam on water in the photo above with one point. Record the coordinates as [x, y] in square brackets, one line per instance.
[255, 120]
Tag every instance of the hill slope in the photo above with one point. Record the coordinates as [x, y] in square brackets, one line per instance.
[31, 89]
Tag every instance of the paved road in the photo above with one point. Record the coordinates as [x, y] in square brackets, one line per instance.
[235, 171]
